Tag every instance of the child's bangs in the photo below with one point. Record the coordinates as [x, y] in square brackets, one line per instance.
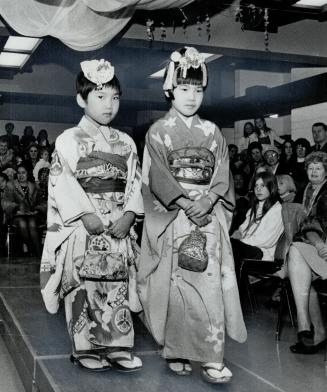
[193, 77]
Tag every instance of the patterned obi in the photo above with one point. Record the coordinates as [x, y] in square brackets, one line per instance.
[102, 172]
[193, 165]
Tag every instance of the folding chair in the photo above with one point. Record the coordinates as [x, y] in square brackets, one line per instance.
[273, 270]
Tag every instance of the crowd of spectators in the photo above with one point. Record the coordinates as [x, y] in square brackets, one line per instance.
[24, 171]
[281, 187]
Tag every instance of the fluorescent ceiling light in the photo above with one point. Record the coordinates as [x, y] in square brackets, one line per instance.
[273, 115]
[21, 44]
[207, 56]
[310, 3]
[14, 60]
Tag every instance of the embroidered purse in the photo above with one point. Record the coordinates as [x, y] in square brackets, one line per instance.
[103, 265]
[192, 254]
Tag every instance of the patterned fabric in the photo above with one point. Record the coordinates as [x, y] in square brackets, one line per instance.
[187, 311]
[91, 272]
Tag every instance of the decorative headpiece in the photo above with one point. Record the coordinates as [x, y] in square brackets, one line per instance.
[190, 59]
[98, 72]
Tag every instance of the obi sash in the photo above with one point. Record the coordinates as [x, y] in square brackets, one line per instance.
[102, 172]
[193, 165]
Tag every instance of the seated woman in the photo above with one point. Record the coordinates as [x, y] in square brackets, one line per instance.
[286, 188]
[249, 136]
[257, 237]
[22, 193]
[308, 258]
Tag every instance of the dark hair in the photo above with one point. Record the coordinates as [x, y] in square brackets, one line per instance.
[41, 171]
[9, 124]
[28, 128]
[3, 139]
[254, 145]
[304, 143]
[38, 138]
[282, 152]
[194, 76]
[85, 86]
[320, 124]
[230, 146]
[23, 166]
[4, 176]
[270, 182]
[248, 123]
[265, 127]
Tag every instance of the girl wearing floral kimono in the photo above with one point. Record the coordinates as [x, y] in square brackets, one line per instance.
[186, 277]
[90, 247]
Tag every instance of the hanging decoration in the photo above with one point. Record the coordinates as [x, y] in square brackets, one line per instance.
[150, 29]
[208, 27]
[266, 24]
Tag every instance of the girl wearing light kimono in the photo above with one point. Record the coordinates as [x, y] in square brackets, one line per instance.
[186, 277]
[90, 247]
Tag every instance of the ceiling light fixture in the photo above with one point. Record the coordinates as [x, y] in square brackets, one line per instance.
[310, 3]
[21, 44]
[13, 60]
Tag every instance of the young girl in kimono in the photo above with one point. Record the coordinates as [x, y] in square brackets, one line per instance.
[186, 277]
[90, 248]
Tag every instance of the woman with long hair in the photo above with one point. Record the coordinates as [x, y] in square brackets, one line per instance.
[258, 235]
[265, 134]
[249, 136]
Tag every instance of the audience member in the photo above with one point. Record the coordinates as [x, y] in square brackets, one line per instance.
[249, 136]
[271, 157]
[286, 188]
[241, 200]
[42, 140]
[22, 193]
[298, 171]
[3, 226]
[257, 236]
[265, 134]
[42, 194]
[27, 138]
[232, 151]
[31, 160]
[6, 155]
[308, 258]
[254, 157]
[41, 163]
[319, 134]
[287, 157]
[12, 140]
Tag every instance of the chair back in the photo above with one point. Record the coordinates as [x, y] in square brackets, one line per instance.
[281, 249]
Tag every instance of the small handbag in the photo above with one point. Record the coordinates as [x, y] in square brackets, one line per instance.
[192, 254]
[103, 265]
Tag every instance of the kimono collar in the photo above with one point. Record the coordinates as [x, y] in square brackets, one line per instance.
[91, 127]
[174, 113]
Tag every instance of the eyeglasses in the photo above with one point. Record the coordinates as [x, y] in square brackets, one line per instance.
[271, 154]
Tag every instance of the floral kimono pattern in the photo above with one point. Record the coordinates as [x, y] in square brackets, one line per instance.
[94, 170]
[187, 312]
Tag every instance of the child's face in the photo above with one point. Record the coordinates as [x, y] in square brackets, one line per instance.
[45, 156]
[101, 105]
[187, 99]
[282, 186]
[260, 190]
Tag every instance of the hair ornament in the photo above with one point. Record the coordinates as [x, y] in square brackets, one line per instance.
[98, 72]
[190, 59]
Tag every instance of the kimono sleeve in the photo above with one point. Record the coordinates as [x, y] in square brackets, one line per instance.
[70, 199]
[222, 182]
[133, 196]
[157, 174]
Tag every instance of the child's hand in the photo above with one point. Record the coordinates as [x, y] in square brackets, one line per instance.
[199, 208]
[201, 221]
[120, 228]
[322, 250]
[92, 224]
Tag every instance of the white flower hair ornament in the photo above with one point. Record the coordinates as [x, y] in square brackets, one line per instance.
[190, 59]
[98, 72]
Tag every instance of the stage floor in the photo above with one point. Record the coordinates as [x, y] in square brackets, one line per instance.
[39, 345]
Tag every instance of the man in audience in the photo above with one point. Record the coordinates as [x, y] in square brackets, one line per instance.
[6, 155]
[12, 140]
[319, 134]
